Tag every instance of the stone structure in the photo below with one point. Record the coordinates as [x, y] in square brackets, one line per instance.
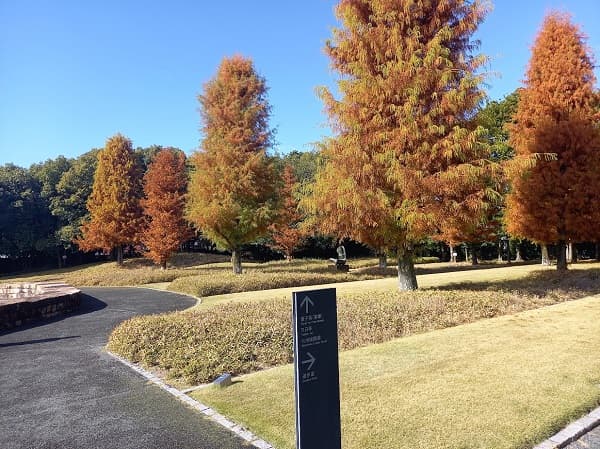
[21, 303]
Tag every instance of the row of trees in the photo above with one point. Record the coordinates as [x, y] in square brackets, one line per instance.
[409, 159]
[414, 155]
[43, 207]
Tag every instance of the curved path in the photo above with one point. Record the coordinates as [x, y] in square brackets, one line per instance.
[59, 389]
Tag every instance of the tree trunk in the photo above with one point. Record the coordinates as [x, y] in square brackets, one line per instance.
[500, 251]
[59, 257]
[545, 256]
[597, 251]
[119, 255]
[466, 253]
[163, 265]
[569, 251]
[236, 261]
[519, 257]
[574, 255]
[474, 258]
[452, 256]
[382, 261]
[561, 257]
[407, 278]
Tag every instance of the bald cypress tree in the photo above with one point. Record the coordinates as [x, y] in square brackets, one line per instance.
[558, 201]
[114, 204]
[286, 232]
[405, 155]
[165, 186]
[232, 188]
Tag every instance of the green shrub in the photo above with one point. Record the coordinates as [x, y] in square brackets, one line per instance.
[198, 345]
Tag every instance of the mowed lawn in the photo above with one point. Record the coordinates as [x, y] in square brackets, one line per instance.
[507, 382]
[432, 276]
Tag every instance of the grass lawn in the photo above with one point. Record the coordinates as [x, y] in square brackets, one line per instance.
[507, 382]
[200, 274]
[429, 276]
[133, 273]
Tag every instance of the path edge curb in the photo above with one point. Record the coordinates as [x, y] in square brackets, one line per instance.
[572, 432]
[208, 412]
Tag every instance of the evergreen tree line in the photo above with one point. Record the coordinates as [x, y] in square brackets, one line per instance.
[417, 155]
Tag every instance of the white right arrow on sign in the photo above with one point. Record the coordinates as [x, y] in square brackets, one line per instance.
[310, 361]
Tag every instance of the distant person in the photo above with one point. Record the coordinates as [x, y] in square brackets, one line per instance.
[341, 255]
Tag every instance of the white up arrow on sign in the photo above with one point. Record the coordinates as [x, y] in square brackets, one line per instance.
[306, 303]
[311, 361]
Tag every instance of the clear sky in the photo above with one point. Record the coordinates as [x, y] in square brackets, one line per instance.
[73, 72]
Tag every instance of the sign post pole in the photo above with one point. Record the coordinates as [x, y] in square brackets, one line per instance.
[316, 370]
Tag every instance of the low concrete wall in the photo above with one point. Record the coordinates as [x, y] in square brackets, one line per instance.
[26, 302]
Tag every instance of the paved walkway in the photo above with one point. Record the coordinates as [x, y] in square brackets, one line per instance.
[58, 389]
[590, 440]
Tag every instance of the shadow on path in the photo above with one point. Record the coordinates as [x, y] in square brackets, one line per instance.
[41, 340]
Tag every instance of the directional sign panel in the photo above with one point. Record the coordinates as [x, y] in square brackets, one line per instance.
[316, 372]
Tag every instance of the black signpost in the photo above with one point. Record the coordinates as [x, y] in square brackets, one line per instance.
[316, 372]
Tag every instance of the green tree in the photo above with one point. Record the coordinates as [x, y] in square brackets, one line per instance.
[72, 193]
[232, 189]
[48, 175]
[25, 223]
[494, 118]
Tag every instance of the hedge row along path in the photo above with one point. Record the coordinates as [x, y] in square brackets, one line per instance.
[59, 388]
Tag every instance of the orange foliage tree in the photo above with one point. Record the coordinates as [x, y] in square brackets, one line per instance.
[165, 186]
[405, 155]
[232, 193]
[114, 204]
[286, 232]
[557, 201]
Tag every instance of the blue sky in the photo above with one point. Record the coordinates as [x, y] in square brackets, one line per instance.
[73, 73]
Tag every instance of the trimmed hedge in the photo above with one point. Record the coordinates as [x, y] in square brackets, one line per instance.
[199, 345]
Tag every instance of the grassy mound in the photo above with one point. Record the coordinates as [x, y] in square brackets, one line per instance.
[504, 383]
[219, 280]
[137, 271]
[223, 282]
[198, 345]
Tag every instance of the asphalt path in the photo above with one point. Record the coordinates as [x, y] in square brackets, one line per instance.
[59, 389]
[590, 440]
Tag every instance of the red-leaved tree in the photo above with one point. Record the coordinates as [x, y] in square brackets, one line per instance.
[557, 201]
[286, 232]
[165, 186]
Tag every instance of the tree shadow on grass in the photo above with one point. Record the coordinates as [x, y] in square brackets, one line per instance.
[572, 284]
[452, 267]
